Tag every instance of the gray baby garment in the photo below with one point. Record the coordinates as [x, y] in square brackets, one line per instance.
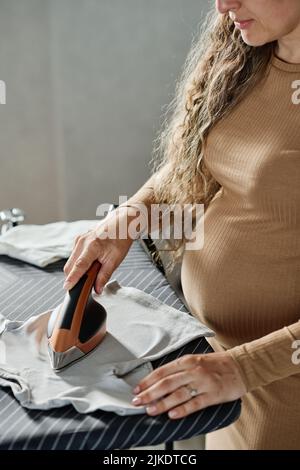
[140, 329]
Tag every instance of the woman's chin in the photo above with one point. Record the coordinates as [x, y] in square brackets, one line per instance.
[254, 40]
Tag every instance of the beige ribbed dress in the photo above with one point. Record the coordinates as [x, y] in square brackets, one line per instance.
[245, 281]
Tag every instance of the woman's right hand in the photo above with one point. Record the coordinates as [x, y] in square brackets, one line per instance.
[89, 247]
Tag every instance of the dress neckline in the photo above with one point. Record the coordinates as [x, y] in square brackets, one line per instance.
[286, 66]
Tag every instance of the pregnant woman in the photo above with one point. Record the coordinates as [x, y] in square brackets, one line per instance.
[232, 143]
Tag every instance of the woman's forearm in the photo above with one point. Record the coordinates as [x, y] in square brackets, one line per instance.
[145, 197]
[268, 358]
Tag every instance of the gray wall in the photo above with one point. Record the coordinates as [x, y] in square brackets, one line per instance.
[86, 84]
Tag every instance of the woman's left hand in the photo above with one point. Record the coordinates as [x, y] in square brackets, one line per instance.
[189, 384]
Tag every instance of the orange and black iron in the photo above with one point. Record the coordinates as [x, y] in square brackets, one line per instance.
[78, 325]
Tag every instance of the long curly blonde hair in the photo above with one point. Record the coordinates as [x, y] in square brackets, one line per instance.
[219, 71]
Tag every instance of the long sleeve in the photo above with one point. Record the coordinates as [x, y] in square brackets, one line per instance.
[269, 358]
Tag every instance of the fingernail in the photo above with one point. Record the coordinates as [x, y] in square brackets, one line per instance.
[137, 389]
[172, 414]
[151, 409]
[136, 401]
[66, 285]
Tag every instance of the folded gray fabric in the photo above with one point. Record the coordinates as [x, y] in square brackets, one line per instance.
[140, 329]
[43, 244]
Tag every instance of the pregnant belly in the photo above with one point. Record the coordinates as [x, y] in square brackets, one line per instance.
[245, 281]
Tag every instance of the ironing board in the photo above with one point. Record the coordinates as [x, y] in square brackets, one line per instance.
[26, 290]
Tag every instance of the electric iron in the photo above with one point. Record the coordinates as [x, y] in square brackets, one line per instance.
[77, 325]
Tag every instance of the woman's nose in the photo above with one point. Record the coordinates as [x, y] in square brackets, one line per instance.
[224, 6]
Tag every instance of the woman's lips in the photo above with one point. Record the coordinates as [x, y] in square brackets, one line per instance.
[243, 24]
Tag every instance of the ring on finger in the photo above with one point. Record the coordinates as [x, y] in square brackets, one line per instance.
[193, 392]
